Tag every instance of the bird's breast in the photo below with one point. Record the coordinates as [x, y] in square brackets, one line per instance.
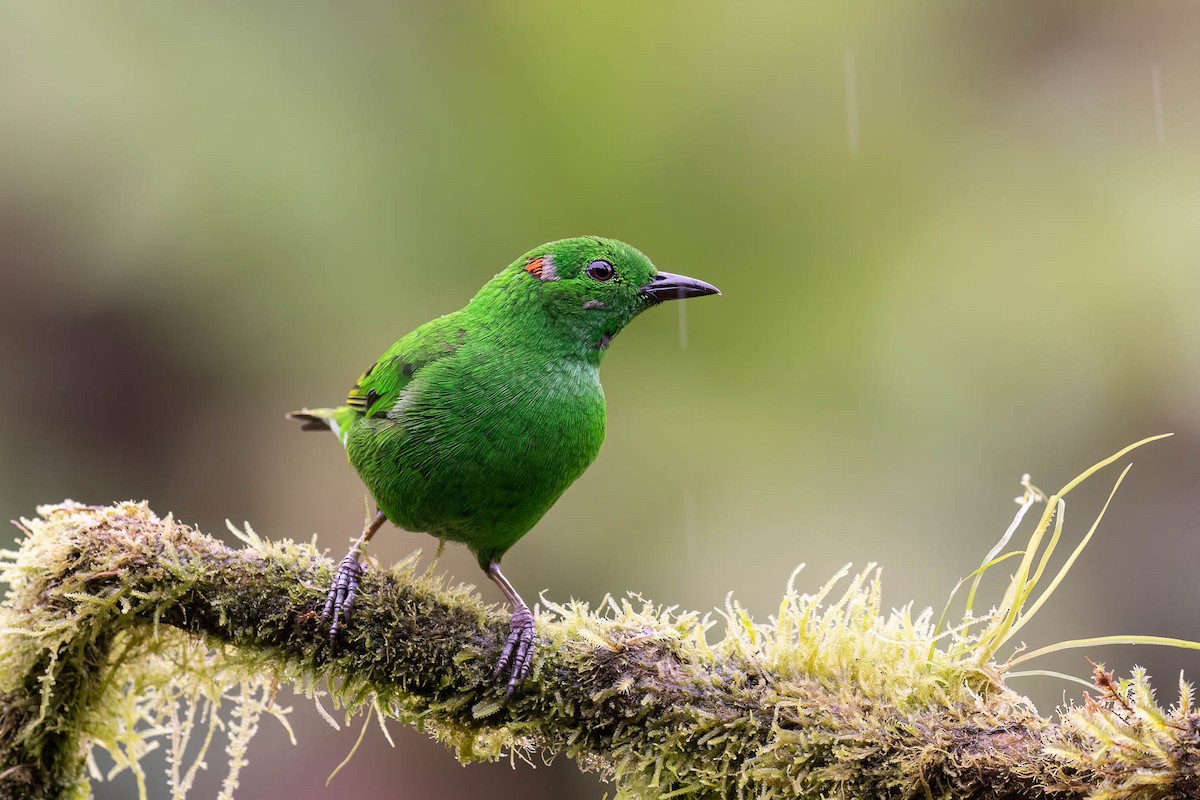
[485, 449]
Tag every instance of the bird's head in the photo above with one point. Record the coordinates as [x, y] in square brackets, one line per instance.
[584, 291]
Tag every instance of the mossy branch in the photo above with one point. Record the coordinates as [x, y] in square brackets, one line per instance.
[117, 623]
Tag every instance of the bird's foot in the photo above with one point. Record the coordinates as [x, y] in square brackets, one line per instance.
[340, 600]
[517, 658]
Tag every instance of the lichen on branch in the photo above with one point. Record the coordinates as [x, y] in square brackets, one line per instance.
[119, 626]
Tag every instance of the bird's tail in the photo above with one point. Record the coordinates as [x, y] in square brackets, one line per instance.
[318, 419]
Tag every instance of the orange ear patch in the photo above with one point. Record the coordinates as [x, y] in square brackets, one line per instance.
[542, 268]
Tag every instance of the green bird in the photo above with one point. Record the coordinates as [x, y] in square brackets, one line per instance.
[471, 426]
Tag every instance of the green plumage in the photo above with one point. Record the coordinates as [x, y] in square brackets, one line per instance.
[479, 443]
[471, 426]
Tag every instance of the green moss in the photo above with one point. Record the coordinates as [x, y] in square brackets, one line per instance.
[120, 628]
[86, 662]
[1122, 744]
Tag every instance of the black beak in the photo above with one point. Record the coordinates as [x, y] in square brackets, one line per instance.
[668, 286]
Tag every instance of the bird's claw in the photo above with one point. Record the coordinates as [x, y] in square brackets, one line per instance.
[340, 600]
[517, 657]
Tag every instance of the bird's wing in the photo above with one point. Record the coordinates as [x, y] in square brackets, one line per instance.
[377, 389]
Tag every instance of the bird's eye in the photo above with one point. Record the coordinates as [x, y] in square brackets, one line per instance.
[600, 270]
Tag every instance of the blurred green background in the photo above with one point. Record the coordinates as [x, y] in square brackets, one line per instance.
[957, 242]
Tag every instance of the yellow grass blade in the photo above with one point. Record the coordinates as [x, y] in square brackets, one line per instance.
[1049, 673]
[1060, 518]
[1096, 641]
[1066, 567]
[1032, 495]
[1021, 586]
[1114, 457]
[1006, 612]
[977, 574]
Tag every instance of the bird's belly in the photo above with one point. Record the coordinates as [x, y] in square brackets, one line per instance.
[480, 465]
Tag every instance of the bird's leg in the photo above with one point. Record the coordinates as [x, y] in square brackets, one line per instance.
[340, 600]
[517, 657]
